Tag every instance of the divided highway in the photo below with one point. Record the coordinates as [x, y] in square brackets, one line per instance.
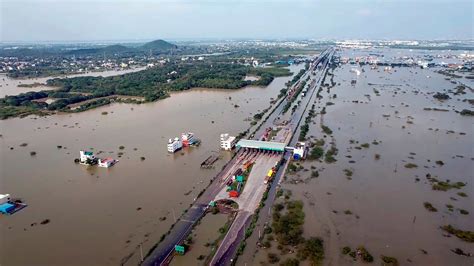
[227, 251]
[162, 254]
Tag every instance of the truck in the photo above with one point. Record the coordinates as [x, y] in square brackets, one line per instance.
[233, 194]
[247, 165]
[239, 187]
[269, 175]
[238, 172]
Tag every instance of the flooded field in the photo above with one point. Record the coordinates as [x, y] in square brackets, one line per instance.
[97, 216]
[389, 147]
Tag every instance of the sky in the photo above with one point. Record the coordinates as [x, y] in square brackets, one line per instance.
[87, 20]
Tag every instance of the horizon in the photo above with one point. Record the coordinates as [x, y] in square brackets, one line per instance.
[50, 21]
[178, 40]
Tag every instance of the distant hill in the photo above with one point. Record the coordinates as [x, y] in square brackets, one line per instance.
[158, 46]
[111, 49]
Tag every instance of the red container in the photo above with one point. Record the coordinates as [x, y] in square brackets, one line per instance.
[233, 194]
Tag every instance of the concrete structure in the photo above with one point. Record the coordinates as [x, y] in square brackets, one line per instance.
[174, 145]
[261, 145]
[227, 142]
[86, 155]
[4, 198]
[107, 162]
[299, 151]
[6, 208]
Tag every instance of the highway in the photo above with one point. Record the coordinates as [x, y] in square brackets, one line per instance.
[162, 254]
[236, 233]
[265, 212]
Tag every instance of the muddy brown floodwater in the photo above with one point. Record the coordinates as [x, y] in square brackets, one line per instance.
[385, 198]
[98, 216]
[203, 237]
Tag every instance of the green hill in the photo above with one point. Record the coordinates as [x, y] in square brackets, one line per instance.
[158, 46]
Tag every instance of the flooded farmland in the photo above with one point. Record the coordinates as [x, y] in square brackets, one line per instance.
[97, 216]
[393, 139]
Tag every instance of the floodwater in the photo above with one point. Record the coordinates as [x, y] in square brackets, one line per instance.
[9, 86]
[99, 216]
[385, 198]
[204, 234]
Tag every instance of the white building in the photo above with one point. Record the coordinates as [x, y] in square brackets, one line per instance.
[107, 162]
[85, 155]
[4, 198]
[299, 151]
[227, 142]
[174, 145]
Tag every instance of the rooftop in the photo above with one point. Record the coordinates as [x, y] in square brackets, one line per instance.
[4, 208]
[263, 145]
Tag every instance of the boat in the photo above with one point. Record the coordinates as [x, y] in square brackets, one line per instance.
[174, 145]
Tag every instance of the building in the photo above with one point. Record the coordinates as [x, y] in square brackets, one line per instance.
[6, 208]
[174, 145]
[261, 145]
[187, 139]
[86, 155]
[299, 152]
[227, 142]
[107, 162]
[4, 198]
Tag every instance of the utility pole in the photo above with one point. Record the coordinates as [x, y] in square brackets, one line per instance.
[174, 216]
[141, 252]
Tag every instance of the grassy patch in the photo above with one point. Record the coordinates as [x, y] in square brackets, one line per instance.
[446, 185]
[346, 250]
[288, 227]
[389, 261]
[430, 207]
[329, 157]
[316, 153]
[348, 172]
[319, 142]
[313, 250]
[364, 254]
[467, 236]
[326, 129]
[411, 165]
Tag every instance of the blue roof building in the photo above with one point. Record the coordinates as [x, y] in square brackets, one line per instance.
[6, 208]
